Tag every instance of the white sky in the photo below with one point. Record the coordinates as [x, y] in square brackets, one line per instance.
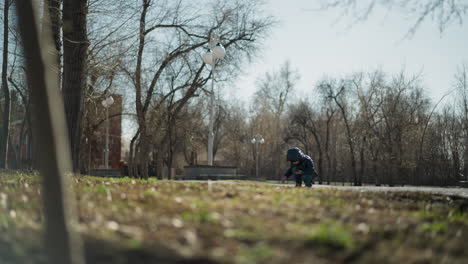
[318, 44]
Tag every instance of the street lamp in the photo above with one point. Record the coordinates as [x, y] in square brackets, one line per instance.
[215, 53]
[258, 139]
[107, 103]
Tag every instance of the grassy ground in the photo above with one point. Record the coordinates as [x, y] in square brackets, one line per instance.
[133, 221]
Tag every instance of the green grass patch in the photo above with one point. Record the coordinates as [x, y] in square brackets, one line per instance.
[435, 227]
[200, 216]
[101, 189]
[458, 216]
[259, 253]
[331, 235]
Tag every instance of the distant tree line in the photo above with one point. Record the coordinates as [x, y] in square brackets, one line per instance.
[367, 128]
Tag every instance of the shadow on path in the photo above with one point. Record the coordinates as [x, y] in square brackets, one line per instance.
[25, 247]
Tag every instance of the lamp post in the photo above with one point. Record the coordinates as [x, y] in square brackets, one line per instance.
[107, 103]
[258, 139]
[215, 53]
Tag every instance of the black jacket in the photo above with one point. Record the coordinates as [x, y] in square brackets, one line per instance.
[306, 164]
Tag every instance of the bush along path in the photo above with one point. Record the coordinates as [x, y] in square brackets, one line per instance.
[136, 221]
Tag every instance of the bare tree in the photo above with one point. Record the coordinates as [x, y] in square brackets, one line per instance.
[369, 106]
[17, 80]
[269, 104]
[296, 128]
[237, 138]
[462, 87]
[275, 88]
[309, 121]
[444, 12]
[450, 138]
[144, 96]
[20, 104]
[173, 111]
[338, 95]
[186, 33]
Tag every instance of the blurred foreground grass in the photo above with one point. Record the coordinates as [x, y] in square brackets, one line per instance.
[136, 221]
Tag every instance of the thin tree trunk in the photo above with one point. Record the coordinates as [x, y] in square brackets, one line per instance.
[6, 91]
[13, 161]
[392, 162]
[132, 156]
[466, 155]
[143, 144]
[376, 173]
[362, 160]
[350, 142]
[170, 152]
[334, 154]
[31, 148]
[144, 147]
[320, 159]
[327, 147]
[374, 160]
[22, 136]
[75, 47]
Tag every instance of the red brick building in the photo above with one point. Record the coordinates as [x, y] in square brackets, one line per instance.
[93, 137]
[95, 133]
[20, 150]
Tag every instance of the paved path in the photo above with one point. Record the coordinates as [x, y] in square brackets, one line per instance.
[448, 191]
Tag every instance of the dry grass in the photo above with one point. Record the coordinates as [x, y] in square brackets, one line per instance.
[133, 221]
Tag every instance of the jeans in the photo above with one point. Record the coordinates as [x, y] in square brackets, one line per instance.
[307, 178]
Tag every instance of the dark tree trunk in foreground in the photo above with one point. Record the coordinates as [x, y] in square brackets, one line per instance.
[62, 243]
[5, 133]
[75, 48]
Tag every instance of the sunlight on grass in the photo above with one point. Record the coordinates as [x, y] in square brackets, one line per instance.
[331, 235]
[259, 253]
[436, 227]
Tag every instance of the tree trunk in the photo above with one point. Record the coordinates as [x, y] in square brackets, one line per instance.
[320, 152]
[75, 48]
[350, 142]
[171, 145]
[466, 155]
[23, 153]
[6, 91]
[143, 157]
[55, 22]
[143, 151]
[143, 144]
[362, 160]
[334, 161]
[377, 180]
[132, 156]
[327, 148]
[62, 243]
[13, 153]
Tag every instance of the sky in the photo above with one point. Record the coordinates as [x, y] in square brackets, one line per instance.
[319, 43]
